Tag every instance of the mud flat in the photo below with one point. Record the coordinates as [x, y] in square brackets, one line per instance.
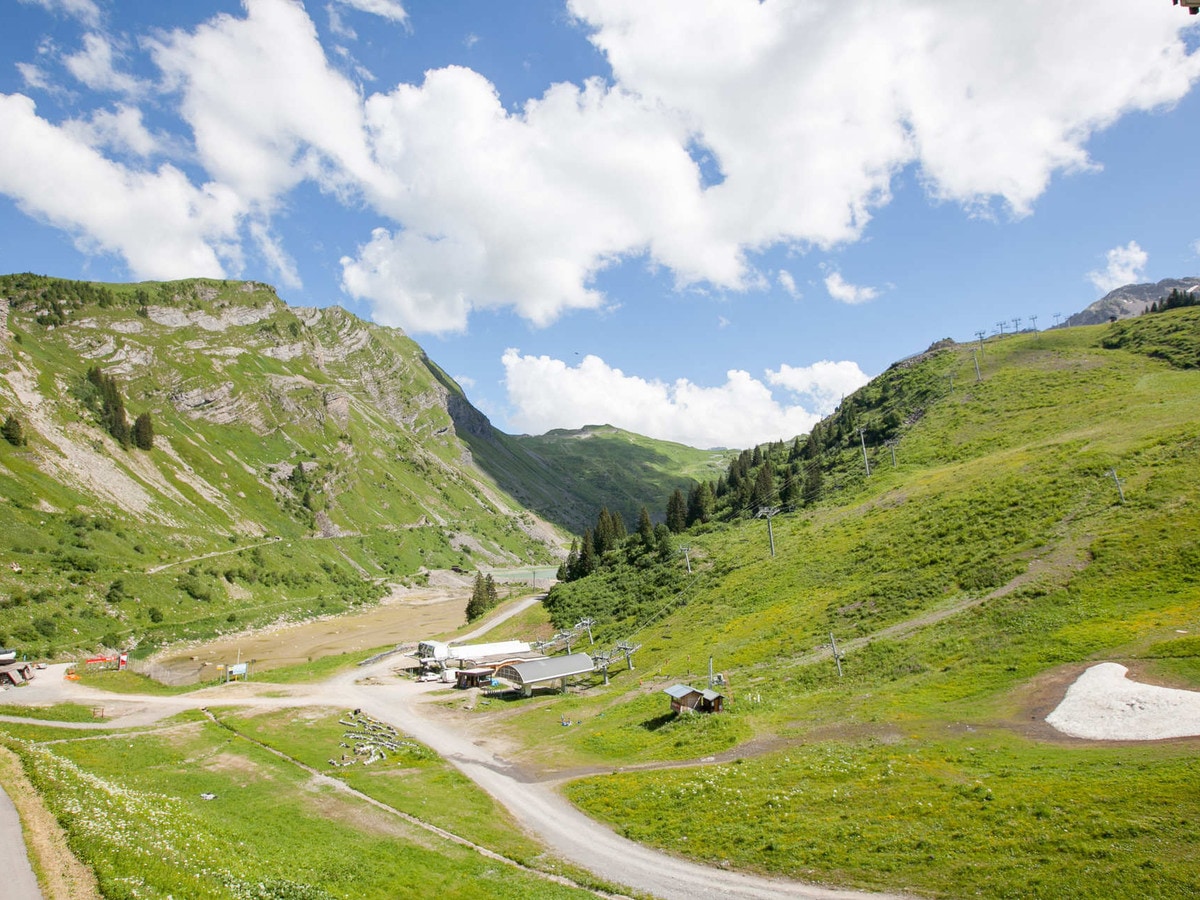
[405, 616]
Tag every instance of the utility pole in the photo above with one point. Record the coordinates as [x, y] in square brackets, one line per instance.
[767, 512]
[1016, 325]
[980, 334]
[1120, 490]
[1000, 325]
[891, 445]
[1057, 316]
[950, 375]
[837, 654]
[1033, 319]
[863, 439]
[587, 623]
[687, 558]
[975, 357]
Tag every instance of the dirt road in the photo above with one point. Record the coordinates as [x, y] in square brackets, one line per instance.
[538, 807]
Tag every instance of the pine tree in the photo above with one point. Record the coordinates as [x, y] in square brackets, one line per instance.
[676, 512]
[700, 504]
[645, 529]
[14, 431]
[570, 564]
[478, 604]
[764, 487]
[587, 556]
[143, 432]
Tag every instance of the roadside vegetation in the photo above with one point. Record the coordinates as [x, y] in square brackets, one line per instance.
[192, 811]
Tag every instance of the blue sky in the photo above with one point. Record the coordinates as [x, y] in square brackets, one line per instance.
[702, 220]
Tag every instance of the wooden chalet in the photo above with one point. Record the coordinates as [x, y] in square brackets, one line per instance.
[685, 698]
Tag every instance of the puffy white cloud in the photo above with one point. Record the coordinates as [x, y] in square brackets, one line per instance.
[93, 65]
[162, 225]
[302, 119]
[1124, 265]
[522, 209]
[86, 11]
[546, 393]
[821, 385]
[788, 283]
[840, 289]
[121, 130]
[811, 107]
[806, 109]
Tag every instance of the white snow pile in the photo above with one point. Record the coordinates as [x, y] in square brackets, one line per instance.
[1104, 705]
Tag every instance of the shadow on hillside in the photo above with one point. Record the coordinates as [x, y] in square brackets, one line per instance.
[658, 721]
[568, 492]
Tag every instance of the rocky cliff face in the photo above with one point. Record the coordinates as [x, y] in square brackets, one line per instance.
[241, 387]
[1130, 300]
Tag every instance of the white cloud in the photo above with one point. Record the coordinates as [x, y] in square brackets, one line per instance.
[522, 210]
[1196, 246]
[807, 110]
[302, 120]
[93, 65]
[275, 256]
[86, 11]
[788, 283]
[1124, 265]
[120, 130]
[840, 289]
[821, 385]
[162, 225]
[546, 393]
[34, 76]
[387, 9]
[338, 25]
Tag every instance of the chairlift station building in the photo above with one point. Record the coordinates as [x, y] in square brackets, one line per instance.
[533, 673]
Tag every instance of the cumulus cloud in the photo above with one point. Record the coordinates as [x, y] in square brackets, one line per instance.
[805, 112]
[93, 66]
[788, 283]
[120, 129]
[86, 11]
[162, 225]
[303, 119]
[546, 393]
[1124, 265]
[840, 289]
[822, 385]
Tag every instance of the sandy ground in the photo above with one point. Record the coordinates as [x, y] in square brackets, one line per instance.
[1104, 705]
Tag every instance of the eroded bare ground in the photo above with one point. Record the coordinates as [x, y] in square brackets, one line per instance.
[405, 615]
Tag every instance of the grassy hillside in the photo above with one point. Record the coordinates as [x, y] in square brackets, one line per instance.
[307, 426]
[966, 585]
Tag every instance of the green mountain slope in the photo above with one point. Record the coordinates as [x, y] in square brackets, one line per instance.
[268, 422]
[967, 585]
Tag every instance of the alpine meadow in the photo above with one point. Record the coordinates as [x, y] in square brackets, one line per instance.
[971, 531]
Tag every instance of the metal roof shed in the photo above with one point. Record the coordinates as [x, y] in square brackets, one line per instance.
[685, 698]
[535, 672]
